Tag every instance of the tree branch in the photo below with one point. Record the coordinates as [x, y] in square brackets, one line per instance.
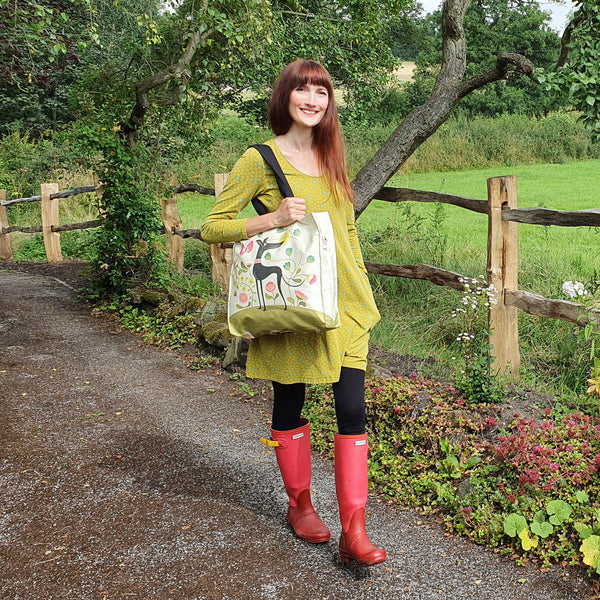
[566, 39]
[505, 61]
[424, 120]
[144, 87]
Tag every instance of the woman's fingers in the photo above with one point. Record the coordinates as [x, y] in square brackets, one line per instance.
[290, 210]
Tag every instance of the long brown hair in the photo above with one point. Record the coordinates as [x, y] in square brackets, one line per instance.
[327, 135]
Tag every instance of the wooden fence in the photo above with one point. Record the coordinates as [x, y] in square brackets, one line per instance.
[502, 210]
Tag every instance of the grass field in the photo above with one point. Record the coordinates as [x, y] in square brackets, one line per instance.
[463, 234]
[416, 314]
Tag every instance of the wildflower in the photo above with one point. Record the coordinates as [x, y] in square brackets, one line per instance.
[574, 289]
[594, 386]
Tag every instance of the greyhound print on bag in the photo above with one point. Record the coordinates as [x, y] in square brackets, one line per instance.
[261, 272]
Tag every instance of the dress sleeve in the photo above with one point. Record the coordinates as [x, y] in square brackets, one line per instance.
[245, 182]
[353, 236]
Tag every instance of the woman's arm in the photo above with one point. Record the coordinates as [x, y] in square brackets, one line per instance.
[247, 181]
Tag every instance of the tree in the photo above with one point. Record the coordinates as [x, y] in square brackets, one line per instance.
[577, 70]
[490, 26]
[176, 59]
[451, 86]
[40, 46]
[206, 55]
[190, 58]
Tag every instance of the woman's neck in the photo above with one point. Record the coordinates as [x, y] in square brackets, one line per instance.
[297, 147]
[297, 139]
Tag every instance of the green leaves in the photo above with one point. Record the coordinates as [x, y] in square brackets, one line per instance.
[559, 511]
[514, 524]
[540, 526]
[40, 50]
[580, 75]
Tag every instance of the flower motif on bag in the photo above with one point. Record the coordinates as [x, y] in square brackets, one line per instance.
[243, 298]
[286, 261]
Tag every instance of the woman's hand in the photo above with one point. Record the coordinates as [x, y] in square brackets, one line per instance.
[290, 210]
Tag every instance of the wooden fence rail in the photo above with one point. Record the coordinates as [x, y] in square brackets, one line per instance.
[502, 252]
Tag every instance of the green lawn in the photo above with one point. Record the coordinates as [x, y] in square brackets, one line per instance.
[564, 252]
[554, 253]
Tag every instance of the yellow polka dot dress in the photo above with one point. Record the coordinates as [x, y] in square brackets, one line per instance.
[310, 357]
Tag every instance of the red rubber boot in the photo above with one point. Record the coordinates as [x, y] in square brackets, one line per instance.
[293, 456]
[351, 486]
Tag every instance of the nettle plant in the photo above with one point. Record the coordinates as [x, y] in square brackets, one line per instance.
[591, 329]
[475, 379]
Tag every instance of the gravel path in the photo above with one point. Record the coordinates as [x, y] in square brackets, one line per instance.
[124, 474]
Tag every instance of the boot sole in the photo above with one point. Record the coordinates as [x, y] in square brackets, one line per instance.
[349, 558]
[312, 540]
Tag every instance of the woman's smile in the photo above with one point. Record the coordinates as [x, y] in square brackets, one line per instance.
[308, 104]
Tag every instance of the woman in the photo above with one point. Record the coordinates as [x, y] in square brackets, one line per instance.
[310, 149]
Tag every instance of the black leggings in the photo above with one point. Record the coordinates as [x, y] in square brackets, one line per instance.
[348, 393]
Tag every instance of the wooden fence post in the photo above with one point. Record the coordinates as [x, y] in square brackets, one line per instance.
[6, 252]
[172, 221]
[50, 219]
[503, 273]
[219, 256]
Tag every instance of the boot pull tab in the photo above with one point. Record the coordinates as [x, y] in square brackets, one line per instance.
[270, 443]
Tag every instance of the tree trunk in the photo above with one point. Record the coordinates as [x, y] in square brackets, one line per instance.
[424, 120]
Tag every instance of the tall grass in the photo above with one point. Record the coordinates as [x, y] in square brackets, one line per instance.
[507, 140]
[459, 144]
[416, 315]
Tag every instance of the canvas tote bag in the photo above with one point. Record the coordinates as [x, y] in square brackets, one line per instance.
[284, 280]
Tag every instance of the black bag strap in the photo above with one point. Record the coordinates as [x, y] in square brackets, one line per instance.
[284, 187]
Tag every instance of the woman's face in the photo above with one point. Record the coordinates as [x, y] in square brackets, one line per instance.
[308, 104]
